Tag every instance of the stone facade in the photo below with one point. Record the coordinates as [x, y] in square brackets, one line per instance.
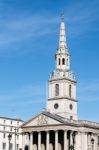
[58, 128]
[10, 126]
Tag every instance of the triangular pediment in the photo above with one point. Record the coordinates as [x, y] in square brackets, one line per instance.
[43, 119]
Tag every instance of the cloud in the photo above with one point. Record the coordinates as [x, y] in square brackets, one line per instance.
[19, 30]
[24, 95]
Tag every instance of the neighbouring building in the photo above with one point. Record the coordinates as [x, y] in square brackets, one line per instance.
[10, 130]
[58, 127]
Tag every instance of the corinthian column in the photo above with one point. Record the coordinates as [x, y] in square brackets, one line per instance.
[39, 140]
[56, 140]
[47, 140]
[71, 138]
[65, 140]
[31, 140]
[23, 140]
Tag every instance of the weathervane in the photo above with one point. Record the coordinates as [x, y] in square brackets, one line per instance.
[62, 16]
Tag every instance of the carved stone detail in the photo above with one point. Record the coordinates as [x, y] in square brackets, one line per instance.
[42, 120]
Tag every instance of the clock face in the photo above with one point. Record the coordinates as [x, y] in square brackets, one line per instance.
[57, 72]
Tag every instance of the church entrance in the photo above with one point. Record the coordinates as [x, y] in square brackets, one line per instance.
[26, 147]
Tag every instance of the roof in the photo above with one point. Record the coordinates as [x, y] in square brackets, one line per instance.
[65, 121]
[15, 119]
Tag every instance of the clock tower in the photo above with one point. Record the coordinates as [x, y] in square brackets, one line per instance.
[62, 84]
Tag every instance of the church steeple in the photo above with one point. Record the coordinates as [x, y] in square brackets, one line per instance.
[62, 84]
[62, 38]
[62, 54]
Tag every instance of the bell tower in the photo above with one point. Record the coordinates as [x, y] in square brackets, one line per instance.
[62, 84]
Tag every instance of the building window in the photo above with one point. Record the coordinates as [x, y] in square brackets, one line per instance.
[56, 89]
[63, 61]
[4, 135]
[11, 121]
[59, 61]
[11, 129]
[71, 106]
[71, 117]
[3, 127]
[3, 146]
[70, 90]
[4, 121]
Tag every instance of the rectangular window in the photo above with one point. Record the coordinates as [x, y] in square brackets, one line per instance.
[4, 128]
[4, 135]
[56, 89]
[71, 117]
[11, 129]
[11, 121]
[3, 146]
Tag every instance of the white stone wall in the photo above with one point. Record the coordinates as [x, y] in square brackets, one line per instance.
[7, 126]
[64, 108]
[63, 100]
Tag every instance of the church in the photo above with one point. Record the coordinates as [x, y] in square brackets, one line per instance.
[58, 127]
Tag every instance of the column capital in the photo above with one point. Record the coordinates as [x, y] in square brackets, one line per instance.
[55, 130]
[65, 130]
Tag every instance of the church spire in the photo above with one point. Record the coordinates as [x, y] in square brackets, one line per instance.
[62, 38]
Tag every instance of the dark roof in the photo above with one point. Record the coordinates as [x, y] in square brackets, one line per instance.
[65, 121]
[15, 119]
[54, 116]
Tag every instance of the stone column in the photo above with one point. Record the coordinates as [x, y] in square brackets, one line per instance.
[78, 141]
[89, 140]
[96, 142]
[65, 140]
[56, 140]
[31, 140]
[84, 140]
[47, 140]
[39, 140]
[23, 141]
[71, 138]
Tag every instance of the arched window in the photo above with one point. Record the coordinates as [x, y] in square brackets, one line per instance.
[63, 61]
[70, 90]
[59, 61]
[56, 89]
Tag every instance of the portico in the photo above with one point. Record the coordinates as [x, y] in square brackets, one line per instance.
[62, 135]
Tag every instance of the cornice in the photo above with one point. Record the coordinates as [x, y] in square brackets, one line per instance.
[63, 97]
[63, 78]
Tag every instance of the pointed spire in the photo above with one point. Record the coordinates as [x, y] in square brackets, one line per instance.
[62, 38]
